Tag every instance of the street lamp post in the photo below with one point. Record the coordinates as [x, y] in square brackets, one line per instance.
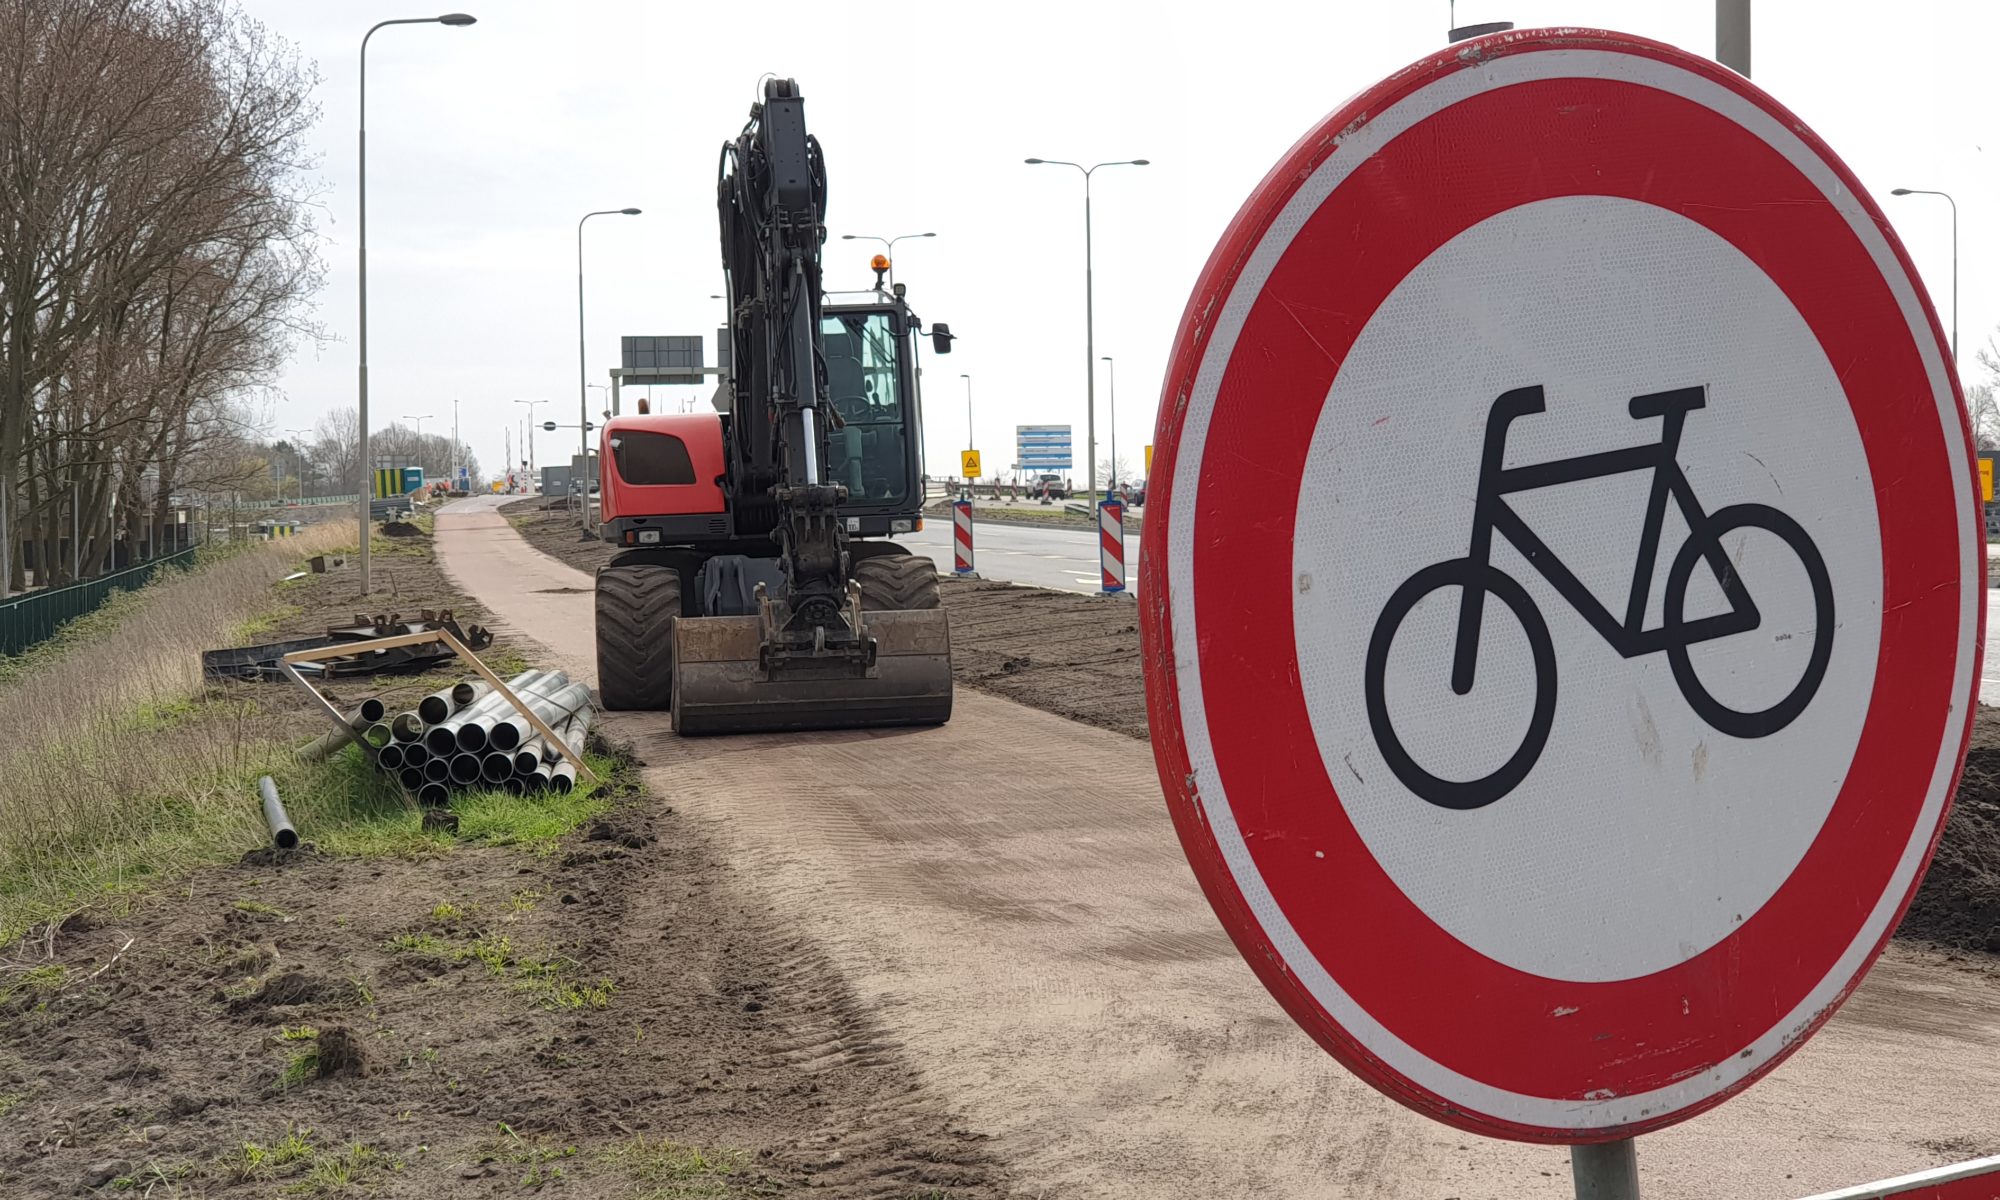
[888, 244]
[1089, 306]
[455, 20]
[420, 434]
[582, 392]
[531, 433]
[299, 459]
[1954, 263]
[1111, 377]
[968, 410]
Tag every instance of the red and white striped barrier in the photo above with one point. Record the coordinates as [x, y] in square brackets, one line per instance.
[1976, 1180]
[1111, 544]
[961, 537]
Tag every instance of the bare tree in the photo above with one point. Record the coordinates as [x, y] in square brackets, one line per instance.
[156, 254]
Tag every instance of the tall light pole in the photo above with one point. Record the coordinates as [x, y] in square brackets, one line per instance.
[420, 434]
[582, 392]
[968, 410]
[888, 244]
[531, 432]
[1089, 305]
[1954, 263]
[1111, 376]
[1732, 35]
[299, 458]
[452, 19]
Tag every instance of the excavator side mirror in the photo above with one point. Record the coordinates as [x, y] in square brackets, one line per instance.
[941, 337]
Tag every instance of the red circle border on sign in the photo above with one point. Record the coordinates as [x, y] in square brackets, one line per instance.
[1563, 136]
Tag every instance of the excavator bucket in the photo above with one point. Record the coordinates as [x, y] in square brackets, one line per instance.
[720, 684]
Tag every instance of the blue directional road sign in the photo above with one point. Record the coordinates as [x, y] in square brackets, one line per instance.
[1042, 447]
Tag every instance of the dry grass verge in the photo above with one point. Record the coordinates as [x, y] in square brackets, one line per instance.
[107, 744]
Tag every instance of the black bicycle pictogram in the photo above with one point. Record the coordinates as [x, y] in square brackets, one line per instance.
[1477, 578]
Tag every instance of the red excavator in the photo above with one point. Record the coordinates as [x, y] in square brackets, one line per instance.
[754, 587]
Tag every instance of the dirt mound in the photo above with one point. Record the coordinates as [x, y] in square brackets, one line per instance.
[1959, 903]
[400, 529]
[339, 1054]
[289, 990]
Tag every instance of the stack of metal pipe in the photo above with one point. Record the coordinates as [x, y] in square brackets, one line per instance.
[467, 737]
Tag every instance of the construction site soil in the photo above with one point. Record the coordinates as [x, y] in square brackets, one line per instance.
[1078, 656]
[608, 1013]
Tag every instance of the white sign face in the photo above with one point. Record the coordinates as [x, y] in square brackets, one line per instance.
[1562, 759]
[1639, 834]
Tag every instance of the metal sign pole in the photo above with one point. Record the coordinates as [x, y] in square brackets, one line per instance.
[1606, 1171]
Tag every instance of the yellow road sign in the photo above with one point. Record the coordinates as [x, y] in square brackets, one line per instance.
[968, 461]
[1149, 462]
[1986, 481]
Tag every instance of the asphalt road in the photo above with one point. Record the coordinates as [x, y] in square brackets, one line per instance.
[1050, 558]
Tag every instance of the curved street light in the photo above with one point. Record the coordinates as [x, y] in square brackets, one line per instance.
[583, 392]
[1089, 305]
[456, 20]
[888, 244]
[1954, 262]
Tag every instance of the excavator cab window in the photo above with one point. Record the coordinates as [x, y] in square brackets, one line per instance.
[651, 458]
[869, 451]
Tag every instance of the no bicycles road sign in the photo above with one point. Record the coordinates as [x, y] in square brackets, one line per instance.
[1564, 799]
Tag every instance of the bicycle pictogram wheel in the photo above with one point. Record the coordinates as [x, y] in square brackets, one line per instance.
[1735, 722]
[1461, 573]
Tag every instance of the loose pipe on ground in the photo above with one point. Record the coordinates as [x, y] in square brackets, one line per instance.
[283, 836]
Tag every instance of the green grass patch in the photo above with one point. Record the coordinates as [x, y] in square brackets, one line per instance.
[300, 1068]
[333, 1172]
[257, 908]
[304, 1033]
[253, 1160]
[447, 913]
[560, 994]
[496, 952]
[676, 1170]
[420, 943]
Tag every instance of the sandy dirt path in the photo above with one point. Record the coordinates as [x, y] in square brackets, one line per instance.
[1007, 895]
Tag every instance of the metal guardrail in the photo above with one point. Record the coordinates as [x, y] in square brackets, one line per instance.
[33, 618]
[310, 501]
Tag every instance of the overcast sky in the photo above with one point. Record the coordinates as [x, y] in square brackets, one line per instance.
[487, 143]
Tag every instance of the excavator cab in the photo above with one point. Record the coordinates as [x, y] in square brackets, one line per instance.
[874, 449]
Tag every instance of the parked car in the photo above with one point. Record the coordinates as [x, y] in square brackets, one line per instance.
[1051, 486]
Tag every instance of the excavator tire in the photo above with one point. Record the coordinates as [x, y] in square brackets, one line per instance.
[636, 608]
[897, 583]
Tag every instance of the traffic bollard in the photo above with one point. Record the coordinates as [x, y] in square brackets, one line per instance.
[1111, 544]
[961, 537]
